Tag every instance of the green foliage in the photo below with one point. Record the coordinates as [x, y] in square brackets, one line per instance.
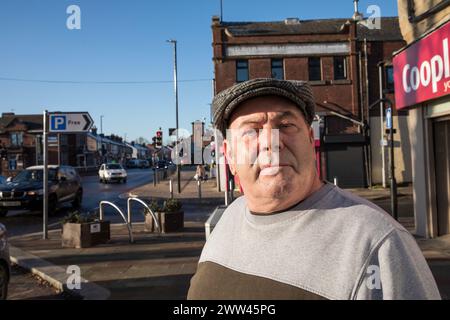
[169, 205]
[78, 217]
[172, 205]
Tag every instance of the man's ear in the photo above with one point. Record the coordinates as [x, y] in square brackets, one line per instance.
[229, 156]
[311, 135]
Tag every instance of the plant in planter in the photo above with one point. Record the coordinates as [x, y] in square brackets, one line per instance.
[82, 230]
[170, 216]
[149, 224]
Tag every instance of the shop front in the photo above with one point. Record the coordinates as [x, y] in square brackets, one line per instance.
[422, 85]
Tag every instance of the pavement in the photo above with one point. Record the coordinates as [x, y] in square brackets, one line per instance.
[160, 266]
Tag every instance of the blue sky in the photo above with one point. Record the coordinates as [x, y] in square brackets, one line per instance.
[125, 40]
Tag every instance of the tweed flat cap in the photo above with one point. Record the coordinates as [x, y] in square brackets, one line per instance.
[226, 101]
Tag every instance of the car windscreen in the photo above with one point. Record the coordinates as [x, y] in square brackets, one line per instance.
[34, 175]
[113, 167]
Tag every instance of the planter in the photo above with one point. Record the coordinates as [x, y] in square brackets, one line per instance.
[149, 224]
[169, 222]
[84, 235]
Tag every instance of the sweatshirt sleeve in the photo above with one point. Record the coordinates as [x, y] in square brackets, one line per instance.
[397, 270]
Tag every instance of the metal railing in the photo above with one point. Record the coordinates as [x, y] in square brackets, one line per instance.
[102, 203]
[145, 206]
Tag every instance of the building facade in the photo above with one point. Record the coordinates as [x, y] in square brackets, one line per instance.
[422, 73]
[21, 146]
[347, 63]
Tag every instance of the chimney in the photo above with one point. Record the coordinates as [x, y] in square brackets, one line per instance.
[216, 21]
[94, 131]
[357, 16]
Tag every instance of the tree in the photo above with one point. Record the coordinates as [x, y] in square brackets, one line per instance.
[142, 140]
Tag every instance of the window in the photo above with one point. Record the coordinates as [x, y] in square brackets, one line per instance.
[390, 78]
[340, 68]
[431, 9]
[315, 69]
[16, 139]
[241, 70]
[277, 69]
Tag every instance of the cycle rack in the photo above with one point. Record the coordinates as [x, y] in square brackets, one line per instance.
[130, 232]
[145, 206]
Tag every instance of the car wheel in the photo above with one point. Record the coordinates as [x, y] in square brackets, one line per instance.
[76, 204]
[124, 180]
[4, 279]
[3, 212]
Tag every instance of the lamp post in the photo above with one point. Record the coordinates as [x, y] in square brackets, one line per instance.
[175, 80]
[101, 124]
[393, 181]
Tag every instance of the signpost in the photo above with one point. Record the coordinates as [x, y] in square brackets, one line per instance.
[68, 122]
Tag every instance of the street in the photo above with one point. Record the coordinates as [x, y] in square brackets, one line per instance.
[24, 222]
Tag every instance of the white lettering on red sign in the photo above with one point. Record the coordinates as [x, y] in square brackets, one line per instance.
[422, 70]
[428, 72]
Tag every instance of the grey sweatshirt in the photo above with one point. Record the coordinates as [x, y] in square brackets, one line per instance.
[333, 245]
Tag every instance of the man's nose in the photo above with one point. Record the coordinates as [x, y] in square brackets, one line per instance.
[269, 140]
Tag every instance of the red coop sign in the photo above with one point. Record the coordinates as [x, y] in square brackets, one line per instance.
[422, 71]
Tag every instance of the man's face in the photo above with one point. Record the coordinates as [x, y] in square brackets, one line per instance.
[272, 152]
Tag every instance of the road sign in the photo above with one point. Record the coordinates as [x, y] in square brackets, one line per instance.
[70, 122]
[388, 118]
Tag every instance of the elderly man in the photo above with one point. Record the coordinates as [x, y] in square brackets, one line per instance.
[293, 236]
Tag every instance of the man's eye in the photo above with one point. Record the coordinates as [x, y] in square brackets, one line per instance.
[249, 133]
[287, 125]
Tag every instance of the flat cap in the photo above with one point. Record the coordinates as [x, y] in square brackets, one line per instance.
[299, 92]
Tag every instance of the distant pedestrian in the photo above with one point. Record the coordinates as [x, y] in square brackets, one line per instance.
[292, 235]
[200, 173]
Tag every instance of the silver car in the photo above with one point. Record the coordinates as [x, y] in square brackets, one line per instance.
[5, 270]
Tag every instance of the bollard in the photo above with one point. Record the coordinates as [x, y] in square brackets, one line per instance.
[335, 181]
[171, 189]
[226, 198]
[199, 187]
[231, 191]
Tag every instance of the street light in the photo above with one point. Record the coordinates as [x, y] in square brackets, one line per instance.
[175, 80]
[393, 181]
[101, 124]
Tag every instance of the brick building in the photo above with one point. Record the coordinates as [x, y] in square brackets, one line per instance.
[345, 61]
[21, 146]
[20, 137]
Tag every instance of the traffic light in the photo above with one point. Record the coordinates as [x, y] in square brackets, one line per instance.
[159, 137]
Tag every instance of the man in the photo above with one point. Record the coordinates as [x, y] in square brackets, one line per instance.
[293, 236]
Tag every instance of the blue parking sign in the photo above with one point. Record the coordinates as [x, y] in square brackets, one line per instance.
[58, 123]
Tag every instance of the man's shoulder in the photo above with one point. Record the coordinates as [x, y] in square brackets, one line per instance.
[359, 212]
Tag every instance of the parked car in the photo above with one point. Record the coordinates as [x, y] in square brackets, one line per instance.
[132, 163]
[112, 172]
[5, 269]
[25, 191]
[144, 164]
